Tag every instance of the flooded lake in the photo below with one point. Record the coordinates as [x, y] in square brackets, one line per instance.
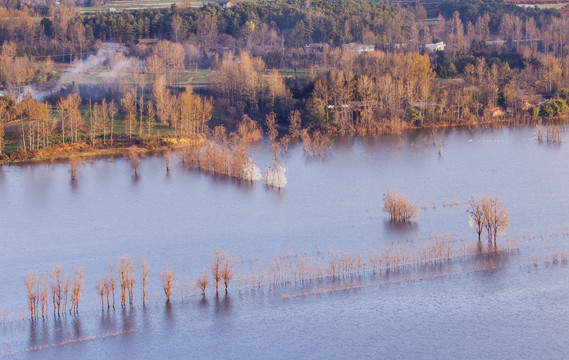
[455, 309]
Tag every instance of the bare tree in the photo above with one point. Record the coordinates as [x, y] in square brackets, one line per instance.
[129, 106]
[134, 159]
[31, 281]
[202, 281]
[272, 126]
[167, 276]
[167, 156]
[275, 176]
[43, 295]
[111, 283]
[65, 293]
[74, 164]
[145, 278]
[56, 288]
[177, 27]
[216, 269]
[227, 269]
[78, 283]
[295, 121]
[127, 278]
[497, 218]
[112, 112]
[476, 215]
[100, 286]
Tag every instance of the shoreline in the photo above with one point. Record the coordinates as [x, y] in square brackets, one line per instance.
[84, 150]
[121, 146]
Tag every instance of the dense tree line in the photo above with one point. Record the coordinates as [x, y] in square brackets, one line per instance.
[471, 10]
[299, 22]
[63, 32]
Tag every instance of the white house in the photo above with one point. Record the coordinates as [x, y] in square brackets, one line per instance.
[440, 46]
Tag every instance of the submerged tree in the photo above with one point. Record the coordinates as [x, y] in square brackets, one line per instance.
[56, 290]
[167, 156]
[167, 276]
[145, 268]
[497, 218]
[134, 160]
[216, 269]
[275, 176]
[100, 286]
[227, 269]
[399, 207]
[476, 215]
[78, 284]
[127, 279]
[31, 281]
[488, 213]
[203, 281]
[74, 164]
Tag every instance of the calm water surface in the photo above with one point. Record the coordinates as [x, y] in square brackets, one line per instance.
[179, 218]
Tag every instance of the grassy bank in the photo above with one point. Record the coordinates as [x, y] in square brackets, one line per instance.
[119, 147]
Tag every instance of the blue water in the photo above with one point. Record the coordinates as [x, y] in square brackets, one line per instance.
[179, 218]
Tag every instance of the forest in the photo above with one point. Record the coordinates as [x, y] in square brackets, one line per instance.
[145, 77]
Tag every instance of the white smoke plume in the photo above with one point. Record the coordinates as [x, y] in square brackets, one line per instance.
[81, 68]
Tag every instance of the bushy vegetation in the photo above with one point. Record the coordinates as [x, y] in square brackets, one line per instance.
[399, 207]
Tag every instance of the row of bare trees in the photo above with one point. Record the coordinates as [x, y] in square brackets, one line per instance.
[187, 114]
[222, 269]
[283, 269]
[65, 289]
[241, 78]
[61, 288]
[39, 126]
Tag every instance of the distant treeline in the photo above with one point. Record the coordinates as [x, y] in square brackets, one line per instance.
[471, 10]
[299, 22]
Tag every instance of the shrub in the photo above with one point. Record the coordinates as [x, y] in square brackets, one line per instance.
[554, 107]
[399, 207]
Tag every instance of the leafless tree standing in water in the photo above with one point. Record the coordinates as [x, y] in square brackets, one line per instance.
[111, 283]
[167, 276]
[134, 160]
[100, 287]
[399, 207]
[497, 218]
[74, 164]
[167, 155]
[476, 213]
[78, 284]
[227, 269]
[31, 281]
[145, 279]
[216, 269]
[203, 281]
[127, 279]
[56, 288]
